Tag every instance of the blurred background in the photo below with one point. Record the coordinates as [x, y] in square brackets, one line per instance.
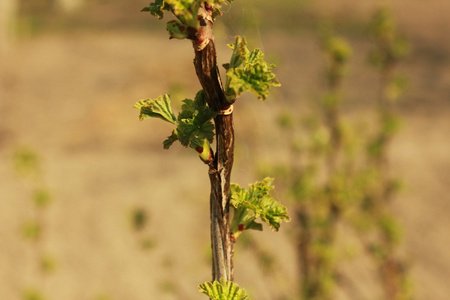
[92, 207]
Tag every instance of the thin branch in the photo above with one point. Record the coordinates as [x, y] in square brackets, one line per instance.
[205, 63]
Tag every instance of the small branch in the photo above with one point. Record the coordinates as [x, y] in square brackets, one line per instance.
[205, 63]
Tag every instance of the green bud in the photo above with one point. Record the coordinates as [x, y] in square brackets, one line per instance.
[204, 152]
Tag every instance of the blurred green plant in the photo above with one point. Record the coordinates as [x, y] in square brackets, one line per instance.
[210, 116]
[337, 175]
[102, 296]
[319, 178]
[139, 219]
[390, 48]
[168, 286]
[33, 294]
[26, 164]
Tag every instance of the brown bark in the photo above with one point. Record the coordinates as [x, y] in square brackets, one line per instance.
[205, 63]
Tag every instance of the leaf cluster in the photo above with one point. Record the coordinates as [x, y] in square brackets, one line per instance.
[194, 127]
[223, 290]
[248, 71]
[186, 12]
[256, 202]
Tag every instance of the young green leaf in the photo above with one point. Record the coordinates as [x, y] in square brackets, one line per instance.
[192, 135]
[197, 109]
[256, 202]
[156, 108]
[223, 290]
[248, 71]
[195, 123]
[157, 8]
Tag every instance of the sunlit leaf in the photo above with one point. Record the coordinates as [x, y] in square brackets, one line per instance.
[248, 71]
[223, 290]
[156, 108]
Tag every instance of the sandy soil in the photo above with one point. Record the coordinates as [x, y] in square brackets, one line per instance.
[69, 96]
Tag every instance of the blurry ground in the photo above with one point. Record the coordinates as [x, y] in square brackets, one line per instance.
[68, 94]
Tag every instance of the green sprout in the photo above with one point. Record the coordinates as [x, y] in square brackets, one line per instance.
[256, 202]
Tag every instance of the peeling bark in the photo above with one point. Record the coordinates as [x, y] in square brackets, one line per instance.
[205, 63]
